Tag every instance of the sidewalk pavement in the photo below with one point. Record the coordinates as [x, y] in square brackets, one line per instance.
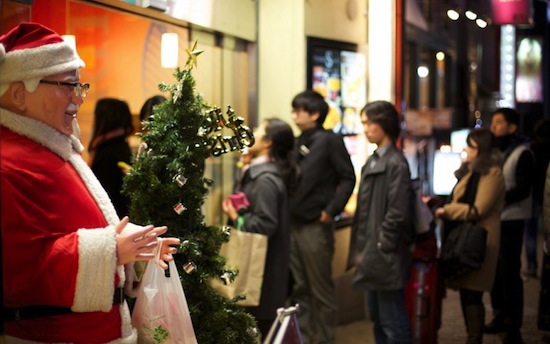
[453, 330]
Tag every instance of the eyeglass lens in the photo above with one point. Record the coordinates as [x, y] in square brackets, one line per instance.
[80, 89]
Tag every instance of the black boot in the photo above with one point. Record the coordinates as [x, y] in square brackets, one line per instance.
[495, 326]
[512, 337]
[475, 317]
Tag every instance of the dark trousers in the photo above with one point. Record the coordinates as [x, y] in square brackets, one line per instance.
[531, 234]
[507, 293]
[473, 311]
[311, 253]
[386, 309]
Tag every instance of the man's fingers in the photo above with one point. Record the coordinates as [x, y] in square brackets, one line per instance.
[171, 241]
[147, 246]
[144, 257]
[167, 257]
[161, 230]
[143, 233]
[120, 226]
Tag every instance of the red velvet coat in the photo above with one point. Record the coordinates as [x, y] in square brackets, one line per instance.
[58, 238]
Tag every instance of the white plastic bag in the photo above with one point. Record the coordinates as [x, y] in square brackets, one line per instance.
[160, 313]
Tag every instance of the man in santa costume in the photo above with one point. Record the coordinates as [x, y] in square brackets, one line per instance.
[63, 246]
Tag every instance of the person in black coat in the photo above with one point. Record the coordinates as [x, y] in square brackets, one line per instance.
[541, 150]
[328, 180]
[518, 170]
[266, 181]
[381, 234]
[109, 146]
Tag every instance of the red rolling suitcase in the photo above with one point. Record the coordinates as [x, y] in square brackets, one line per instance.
[424, 291]
[423, 299]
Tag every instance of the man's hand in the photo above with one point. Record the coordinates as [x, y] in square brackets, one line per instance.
[136, 246]
[325, 218]
[166, 251]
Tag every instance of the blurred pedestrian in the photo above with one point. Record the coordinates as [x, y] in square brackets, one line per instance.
[519, 164]
[541, 150]
[328, 179]
[483, 183]
[380, 237]
[109, 147]
[269, 176]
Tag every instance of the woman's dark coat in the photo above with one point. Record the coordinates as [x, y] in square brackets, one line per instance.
[269, 214]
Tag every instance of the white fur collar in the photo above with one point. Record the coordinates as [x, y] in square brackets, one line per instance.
[41, 133]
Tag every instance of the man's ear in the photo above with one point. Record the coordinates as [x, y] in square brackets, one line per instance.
[267, 143]
[315, 116]
[16, 95]
[512, 128]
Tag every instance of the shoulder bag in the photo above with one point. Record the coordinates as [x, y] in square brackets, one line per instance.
[245, 254]
[464, 247]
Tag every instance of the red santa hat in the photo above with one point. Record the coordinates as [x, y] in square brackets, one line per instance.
[32, 51]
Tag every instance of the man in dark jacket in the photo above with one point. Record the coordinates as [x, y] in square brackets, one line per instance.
[541, 150]
[381, 234]
[519, 163]
[327, 182]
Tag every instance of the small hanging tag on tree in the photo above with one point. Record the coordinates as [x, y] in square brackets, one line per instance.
[189, 267]
[226, 278]
[179, 180]
[179, 208]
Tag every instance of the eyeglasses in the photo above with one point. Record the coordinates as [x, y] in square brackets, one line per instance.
[80, 90]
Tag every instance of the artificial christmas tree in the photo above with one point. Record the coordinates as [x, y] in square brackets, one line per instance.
[167, 187]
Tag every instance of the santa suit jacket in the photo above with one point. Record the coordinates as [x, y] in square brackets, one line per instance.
[58, 238]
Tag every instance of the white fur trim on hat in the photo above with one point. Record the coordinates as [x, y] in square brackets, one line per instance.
[33, 51]
[49, 59]
[2, 53]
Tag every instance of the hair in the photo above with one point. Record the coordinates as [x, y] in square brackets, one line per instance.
[147, 108]
[488, 154]
[541, 131]
[282, 151]
[384, 114]
[311, 102]
[110, 114]
[511, 116]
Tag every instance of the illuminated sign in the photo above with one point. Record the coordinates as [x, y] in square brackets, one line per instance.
[513, 12]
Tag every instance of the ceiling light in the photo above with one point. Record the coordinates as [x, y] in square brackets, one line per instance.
[481, 23]
[169, 50]
[453, 14]
[470, 15]
[422, 71]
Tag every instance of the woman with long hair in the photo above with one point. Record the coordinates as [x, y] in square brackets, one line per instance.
[479, 179]
[109, 146]
[266, 182]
